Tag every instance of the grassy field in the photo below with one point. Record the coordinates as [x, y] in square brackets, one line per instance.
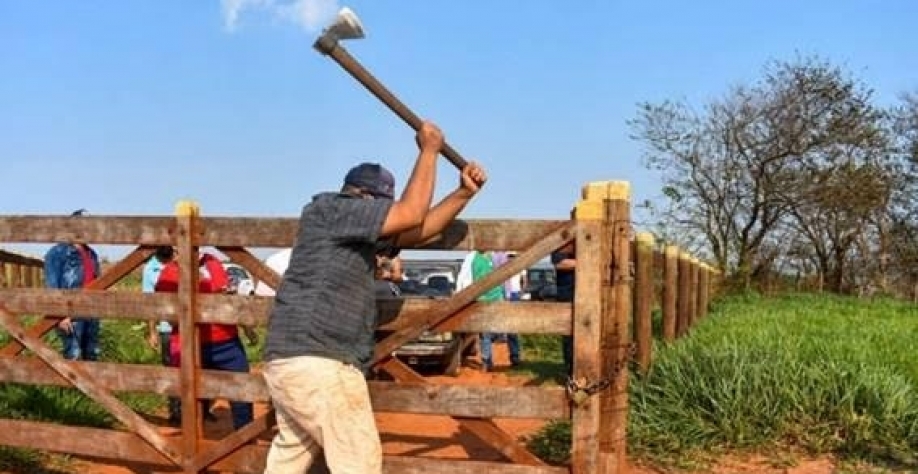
[796, 374]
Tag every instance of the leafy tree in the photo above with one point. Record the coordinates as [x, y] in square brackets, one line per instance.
[765, 164]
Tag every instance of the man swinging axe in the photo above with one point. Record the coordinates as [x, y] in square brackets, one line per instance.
[320, 336]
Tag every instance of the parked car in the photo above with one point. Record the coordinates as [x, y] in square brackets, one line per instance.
[541, 283]
[442, 351]
[240, 281]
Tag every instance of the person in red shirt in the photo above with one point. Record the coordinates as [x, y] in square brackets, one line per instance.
[221, 347]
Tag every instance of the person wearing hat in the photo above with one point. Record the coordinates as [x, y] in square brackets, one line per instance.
[320, 337]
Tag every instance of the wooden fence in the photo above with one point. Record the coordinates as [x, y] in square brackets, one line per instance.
[608, 282]
[20, 271]
[674, 285]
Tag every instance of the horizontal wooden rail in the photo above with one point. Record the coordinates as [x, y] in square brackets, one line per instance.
[525, 317]
[454, 400]
[8, 257]
[123, 446]
[251, 232]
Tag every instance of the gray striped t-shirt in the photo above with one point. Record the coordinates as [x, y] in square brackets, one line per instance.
[325, 304]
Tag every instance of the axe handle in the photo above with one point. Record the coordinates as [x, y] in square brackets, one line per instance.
[355, 69]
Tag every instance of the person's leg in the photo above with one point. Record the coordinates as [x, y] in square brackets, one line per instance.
[164, 338]
[296, 386]
[513, 343]
[486, 362]
[230, 356]
[567, 352]
[90, 344]
[350, 437]
[70, 341]
[513, 340]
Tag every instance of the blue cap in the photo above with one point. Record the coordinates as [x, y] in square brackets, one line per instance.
[373, 179]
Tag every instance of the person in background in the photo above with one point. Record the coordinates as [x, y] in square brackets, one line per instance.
[513, 290]
[221, 348]
[482, 265]
[389, 268]
[158, 333]
[564, 260]
[321, 330]
[70, 266]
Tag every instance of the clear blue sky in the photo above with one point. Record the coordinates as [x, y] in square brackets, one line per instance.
[127, 107]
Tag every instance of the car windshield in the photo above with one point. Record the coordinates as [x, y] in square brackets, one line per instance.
[540, 275]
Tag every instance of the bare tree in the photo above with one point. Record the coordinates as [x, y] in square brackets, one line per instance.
[733, 172]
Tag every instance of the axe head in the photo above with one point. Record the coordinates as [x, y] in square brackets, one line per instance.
[345, 27]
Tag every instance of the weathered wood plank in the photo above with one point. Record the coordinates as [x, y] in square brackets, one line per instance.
[670, 292]
[683, 294]
[79, 377]
[513, 317]
[188, 261]
[693, 292]
[409, 397]
[123, 447]
[593, 259]
[704, 287]
[485, 430]
[119, 230]
[9, 257]
[617, 315]
[643, 298]
[481, 234]
[232, 442]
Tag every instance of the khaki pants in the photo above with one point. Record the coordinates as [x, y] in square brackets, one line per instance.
[321, 404]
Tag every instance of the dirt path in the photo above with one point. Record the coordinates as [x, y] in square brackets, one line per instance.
[441, 436]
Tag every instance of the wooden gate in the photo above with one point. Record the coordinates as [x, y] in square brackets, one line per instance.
[599, 321]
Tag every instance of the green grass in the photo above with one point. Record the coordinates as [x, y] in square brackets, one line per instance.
[801, 373]
[819, 373]
[542, 361]
[121, 342]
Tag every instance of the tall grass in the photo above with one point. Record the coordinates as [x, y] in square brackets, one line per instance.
[822, 373]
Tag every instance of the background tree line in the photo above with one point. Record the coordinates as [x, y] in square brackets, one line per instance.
[799, 177]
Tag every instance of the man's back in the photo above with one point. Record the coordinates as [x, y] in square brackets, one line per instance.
[325, 305]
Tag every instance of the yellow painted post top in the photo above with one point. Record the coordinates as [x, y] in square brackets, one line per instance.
[187, 207]
[684, 255]
[644, 240]
[695, 261]
[591, 206]
[671, 251]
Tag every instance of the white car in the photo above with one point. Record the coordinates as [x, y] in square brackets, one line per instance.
[240, 280]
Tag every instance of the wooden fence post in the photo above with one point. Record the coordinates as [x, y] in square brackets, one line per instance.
[593, 257]
[643, 298]
[683, 297]
[670, 291]
[693, 294]
[15, 276]
[36, 277]
[704, 295]
[186, 214]
[616, 334]
[4, 279]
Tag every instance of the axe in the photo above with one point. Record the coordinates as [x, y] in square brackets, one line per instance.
[347, 26]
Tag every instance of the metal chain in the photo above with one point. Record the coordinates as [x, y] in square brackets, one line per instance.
[580, 392]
